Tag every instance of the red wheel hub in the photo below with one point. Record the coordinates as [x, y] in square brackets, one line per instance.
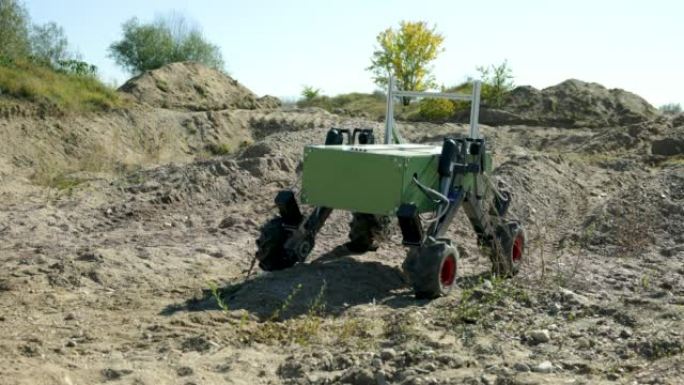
[447, 274]
[517, 252]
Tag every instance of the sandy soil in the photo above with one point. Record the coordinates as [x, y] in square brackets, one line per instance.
[111, 282]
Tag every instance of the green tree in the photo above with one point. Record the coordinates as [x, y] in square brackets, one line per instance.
[49, 44]
[14, 30]
[497, 81]
[406, 54]
[167, 40]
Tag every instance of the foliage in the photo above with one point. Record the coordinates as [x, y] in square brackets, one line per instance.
[497, 81]
[436, 109]
[309, 93]
[406, 53]
[49, 44]
[671, 108]
[76, 67]
[218, 149]
[57, 91]
[167, 40]
[14, 30]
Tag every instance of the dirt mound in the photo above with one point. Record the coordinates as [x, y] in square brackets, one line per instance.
[195, 87]
[572, 103]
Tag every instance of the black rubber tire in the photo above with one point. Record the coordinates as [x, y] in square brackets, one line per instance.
[426, 266]
[511, 253]
[270, 251]
[365, 232]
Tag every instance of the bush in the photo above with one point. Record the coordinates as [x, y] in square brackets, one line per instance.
[309, 93]
[436, 109]
[497, 82]
[353, 104]
[171, 39]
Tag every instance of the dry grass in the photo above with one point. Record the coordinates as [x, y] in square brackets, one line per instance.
[55, 91]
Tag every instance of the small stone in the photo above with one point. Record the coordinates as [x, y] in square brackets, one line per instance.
[358, 376]
[451, 360]
[539, 336]
[388, 354]
[543, 367]
[376, 363]
[69, 317]
[584, 343]
[381, 378]
[184, 371]
[71, 344]
[488, 379]
[487, 285]
[430, 367]
[521, 367]
[624, 333]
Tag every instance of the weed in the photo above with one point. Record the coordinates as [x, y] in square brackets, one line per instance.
[217, 296]
[220, 149]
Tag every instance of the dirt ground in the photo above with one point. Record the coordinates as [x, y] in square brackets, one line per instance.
[148, 278]
[127, 243]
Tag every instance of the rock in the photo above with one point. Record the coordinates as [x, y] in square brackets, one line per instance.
[488, 379]
[573, 298]
[381, 378]
[540, 336]
[521, 367]
[110, 374]
[555, 308]
[405, 374]
[584, 343]
[668, 146]
[358, 376]
[388, 354]
[487, 285]
[624, 333]
[612, 376]
[227, 223]
[451, 360]
[543, 367]
[184, 371]
[376, 363]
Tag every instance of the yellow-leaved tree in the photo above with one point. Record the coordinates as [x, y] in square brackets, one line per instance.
[406, 54]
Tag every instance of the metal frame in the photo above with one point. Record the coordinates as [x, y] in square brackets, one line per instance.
[391, 132]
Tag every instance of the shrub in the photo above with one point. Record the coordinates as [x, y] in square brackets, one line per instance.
[436, 109]
[309, 93]
[497, 81]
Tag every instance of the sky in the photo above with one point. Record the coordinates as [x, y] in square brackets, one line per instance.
[276, 47]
